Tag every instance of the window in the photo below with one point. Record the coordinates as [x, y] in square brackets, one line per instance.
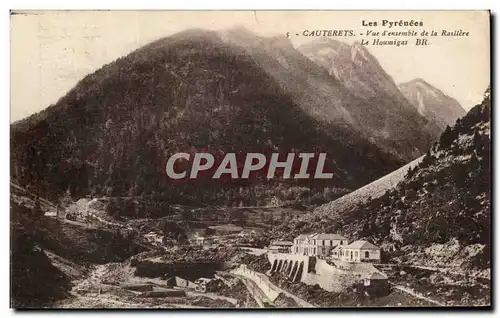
[323, 242]
[356, 254]
[367, 254]
[341, 242]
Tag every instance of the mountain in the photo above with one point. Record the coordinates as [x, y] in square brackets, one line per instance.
[354, 66]
[373, 99]
[112, 133]
[311, 87]
[437, 216]
[432, 103]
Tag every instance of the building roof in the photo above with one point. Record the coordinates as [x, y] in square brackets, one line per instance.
[301, 237]
[363, 245]
[337, 248]
[274, 247]
[282, 243]
[375, 275]
[328, 236]
[203, 280]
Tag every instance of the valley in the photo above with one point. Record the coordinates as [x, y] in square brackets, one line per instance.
[161, 273]
[400, 217]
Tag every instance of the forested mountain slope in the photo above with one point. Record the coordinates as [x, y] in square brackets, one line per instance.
[439, 215]
[191, 92]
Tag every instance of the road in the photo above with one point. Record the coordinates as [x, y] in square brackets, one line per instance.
[272, 291]
[443, 269]
[255, 291]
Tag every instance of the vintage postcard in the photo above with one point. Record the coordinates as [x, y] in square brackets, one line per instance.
[250, 159]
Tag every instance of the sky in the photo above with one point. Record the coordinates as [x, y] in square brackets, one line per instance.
[52, 51]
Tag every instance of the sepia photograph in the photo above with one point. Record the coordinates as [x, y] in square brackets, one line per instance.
[250, 159]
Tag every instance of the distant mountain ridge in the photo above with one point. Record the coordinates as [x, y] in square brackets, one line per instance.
[376, 101]
[431, 102]
[353, 65]
[361, 104]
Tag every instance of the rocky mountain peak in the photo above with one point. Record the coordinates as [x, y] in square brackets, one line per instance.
[359, 52]
[431, 102]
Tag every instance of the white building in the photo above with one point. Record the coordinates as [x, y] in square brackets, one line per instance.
[360, 251]
[317, 244]
[299, 245]
[336, 252]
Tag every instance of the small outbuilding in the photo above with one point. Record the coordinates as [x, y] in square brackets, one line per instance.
[361, 251]
[204, 285]
[280, 247]
[376, 283]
